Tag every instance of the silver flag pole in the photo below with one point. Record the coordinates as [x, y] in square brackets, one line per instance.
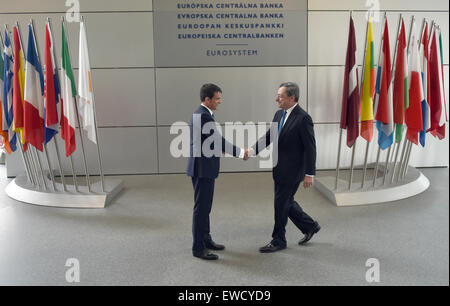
[405, 170]
[396, 145]
[387, 164]
[377, 98]
[360, 90]
[96, 127]
[54, 138]
[405, 145]
[25, 161]
[79, 126]
[45, 145]
[28, 154]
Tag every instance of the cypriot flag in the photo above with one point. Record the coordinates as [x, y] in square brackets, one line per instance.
[85, 103]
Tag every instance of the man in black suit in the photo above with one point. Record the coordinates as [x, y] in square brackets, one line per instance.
[206, 147]
[296, 163]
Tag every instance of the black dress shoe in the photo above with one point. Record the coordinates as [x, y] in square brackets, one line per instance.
[205, 255]
[309, 235]
[214, 246]
[270, 248]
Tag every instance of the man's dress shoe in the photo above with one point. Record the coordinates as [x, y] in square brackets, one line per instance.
[270, 248]
[214, 246]
[205, 255]
[309, 235]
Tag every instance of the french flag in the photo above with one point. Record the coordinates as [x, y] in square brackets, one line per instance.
[34, 96]
[52, 89]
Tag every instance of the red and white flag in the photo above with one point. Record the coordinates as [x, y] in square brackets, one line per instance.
[350, 96]
[438, 113]
[413, 114]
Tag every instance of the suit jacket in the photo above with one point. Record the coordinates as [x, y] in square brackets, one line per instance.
[200, 164]
[296, 147]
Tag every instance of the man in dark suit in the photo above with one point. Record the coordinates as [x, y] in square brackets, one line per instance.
[296, 163]
[206, 147]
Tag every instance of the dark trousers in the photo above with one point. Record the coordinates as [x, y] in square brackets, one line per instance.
[286, 207]
[203, 198]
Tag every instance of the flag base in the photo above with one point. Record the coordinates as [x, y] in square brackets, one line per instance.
[22, 190]
[412, 184]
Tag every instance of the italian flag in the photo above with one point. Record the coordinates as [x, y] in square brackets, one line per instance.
[68, 91]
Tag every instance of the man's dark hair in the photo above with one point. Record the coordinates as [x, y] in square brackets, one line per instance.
[291, 90]
[209, 90]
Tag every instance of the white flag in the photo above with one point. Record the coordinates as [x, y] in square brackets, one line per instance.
[85, 103]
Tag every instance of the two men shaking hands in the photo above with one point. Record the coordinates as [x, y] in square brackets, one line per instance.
[296, 153]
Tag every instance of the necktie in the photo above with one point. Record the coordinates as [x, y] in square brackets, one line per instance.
[281, 124]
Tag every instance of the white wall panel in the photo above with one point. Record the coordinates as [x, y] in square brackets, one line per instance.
[25, 6]
[124, 97]
[409, 5]
[124, 151]
[325, 48]
[325, 93]
[115, 39]
[248, 93]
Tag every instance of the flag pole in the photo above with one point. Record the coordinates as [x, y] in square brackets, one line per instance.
[37, 171]
[360, 90]
[410, 144]
[79, 126]
[30, 178]
[408, 155]
[396, 145]
[338, 160]
[377, 97]
[24, 157]
[406, 145]
[340, 142]
[50, 169]
[96, 127]
[387, 163]
[54, 138]
[29, 154]
[368, 142]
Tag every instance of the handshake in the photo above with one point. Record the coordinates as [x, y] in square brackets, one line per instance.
[248, 153]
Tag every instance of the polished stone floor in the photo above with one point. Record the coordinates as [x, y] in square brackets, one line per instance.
[144, 237]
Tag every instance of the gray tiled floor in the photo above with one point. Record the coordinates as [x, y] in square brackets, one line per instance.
[144, 237]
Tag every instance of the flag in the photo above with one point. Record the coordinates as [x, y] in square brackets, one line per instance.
[424, 55]
[413, 114]
[3, 127]
[18, 89]
[400, 83]
[68, 92]
[350, 95]
[51, 89]
[441, 130]
[34, 95]
[368, 87]
[437, 102]
[85, 103]
[384, 106]
[7, 124]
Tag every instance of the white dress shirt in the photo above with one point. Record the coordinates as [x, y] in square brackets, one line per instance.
[241, 152]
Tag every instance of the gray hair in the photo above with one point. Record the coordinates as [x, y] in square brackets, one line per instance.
[292, 89]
